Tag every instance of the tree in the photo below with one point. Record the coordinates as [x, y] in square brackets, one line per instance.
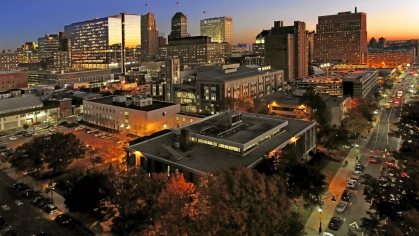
[356, 122]
[300, 179]
[133, 195]
[316, 104]
[240, 201]
[87, 192]
[25, 126]
[55, 152]
[112, 152]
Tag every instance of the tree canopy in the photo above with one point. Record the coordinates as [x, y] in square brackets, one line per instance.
[54, 152]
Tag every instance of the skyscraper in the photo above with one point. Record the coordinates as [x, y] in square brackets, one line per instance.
[286, 48]
[341, 37]
[179, 26]
[220, 29]
[97, 43]
[149, 37]
[47, 45]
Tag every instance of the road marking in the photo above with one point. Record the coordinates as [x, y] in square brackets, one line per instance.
[5, 207]
[344, 219]
[354, 224]
[350, 203]
[18, 202]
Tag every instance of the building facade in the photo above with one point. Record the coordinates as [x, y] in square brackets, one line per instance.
[215, 83]
[97, 43]
[194, 50]
[288, 105]
[179, 26]
[9, 61]
[390, 58]
[47, 45]
[62, 60]
[28, 109]
[341, 38]
[149, 37]
[286, 48]
[51, 78]
[360, 83]
[13, 80]
[137, 115]
[219, 29]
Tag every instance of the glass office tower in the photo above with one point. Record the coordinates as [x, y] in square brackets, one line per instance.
[96, 44]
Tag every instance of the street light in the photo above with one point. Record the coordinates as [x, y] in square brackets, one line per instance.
[320, 218]
[326, 66]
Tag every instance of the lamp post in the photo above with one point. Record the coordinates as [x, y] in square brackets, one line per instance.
[385, 98]
[326, 66]
[320, 218]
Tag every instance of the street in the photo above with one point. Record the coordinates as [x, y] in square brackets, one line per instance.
[377, 144]
[25, 218]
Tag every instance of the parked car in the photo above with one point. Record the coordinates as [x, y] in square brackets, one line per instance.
[356, 174]
[64, 219]
[373, 159]
[3, 134]
[341, 206]
[21, 187]
[359, 167]
[91, 131]
[335, 223]
[50, 209]
[346, 195]
[38, 128]
[21, 132]
[391, 162]
[27, 135]
[351, 183]
[13, 138]
[78, 128]
[3, 145]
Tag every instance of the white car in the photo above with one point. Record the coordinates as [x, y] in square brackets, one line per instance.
[356, 174]
[79, 128]
[351, 183]
[13, 138]
[341, 206]
[38, 128]
[327, 234]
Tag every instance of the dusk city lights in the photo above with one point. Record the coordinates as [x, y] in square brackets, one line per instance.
[187, 118]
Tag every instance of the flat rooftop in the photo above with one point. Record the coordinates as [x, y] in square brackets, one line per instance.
[250, 128]
[202, 158]
[241, 73]
[108, 100]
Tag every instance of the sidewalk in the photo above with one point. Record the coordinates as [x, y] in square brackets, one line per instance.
[336, 187]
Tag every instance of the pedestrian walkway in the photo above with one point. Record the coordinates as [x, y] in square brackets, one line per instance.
[336, 187]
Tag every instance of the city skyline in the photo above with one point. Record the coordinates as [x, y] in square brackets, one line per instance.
[50, 17]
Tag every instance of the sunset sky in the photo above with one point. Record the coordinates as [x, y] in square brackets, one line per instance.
[24, 20]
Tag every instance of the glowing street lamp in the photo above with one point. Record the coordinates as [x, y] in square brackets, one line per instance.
[326, 66]
[320, 218]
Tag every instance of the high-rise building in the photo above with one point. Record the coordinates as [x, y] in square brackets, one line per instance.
[8, 60]
[47, 45]
[149, 37]
[194, 50]
[286, 48]
[310, 38]
[342, 38]
[179, 26]
[258, 47]
[220, 29]
[97, 43]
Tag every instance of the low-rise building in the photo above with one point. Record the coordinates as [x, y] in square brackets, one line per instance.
[222, 140]
[360, 83]
[132, 115]
[323, 84]
[28, 109]
[288, 105]
[13, 80]
[390, 58]
[61, 78]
